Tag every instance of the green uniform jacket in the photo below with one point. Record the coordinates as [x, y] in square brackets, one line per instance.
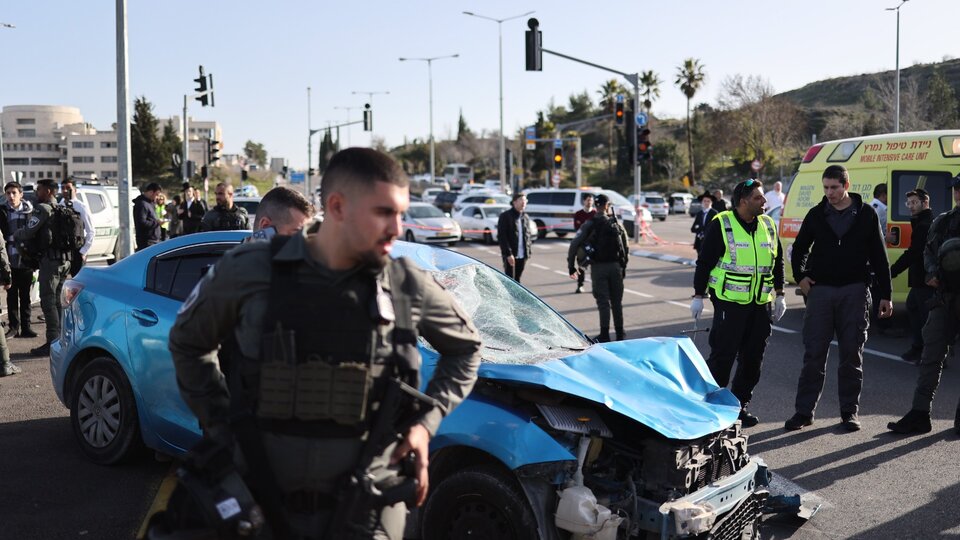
[233, 297]
[935, 238]
[37, 225]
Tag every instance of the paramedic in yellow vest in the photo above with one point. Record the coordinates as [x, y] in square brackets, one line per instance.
[741, 263]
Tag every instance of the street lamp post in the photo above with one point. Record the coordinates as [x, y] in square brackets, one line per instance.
[3, 175]
[429, 62]
[348, 109]
[504, 181]
[896, 123]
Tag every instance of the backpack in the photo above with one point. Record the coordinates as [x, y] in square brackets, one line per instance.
[66, 228]
[605, 243]
[948, 256]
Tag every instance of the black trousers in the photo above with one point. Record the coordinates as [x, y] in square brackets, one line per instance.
[516, 270]
[18, 298]
[739, 332]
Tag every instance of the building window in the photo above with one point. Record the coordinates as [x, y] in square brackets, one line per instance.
[82, 144]
[83, 173]
[26, 121]
[108, 144]
[51, 148]
[108, 174]
[108, 159]
[83, 159]
[30, 147]
[58, 174]
[26, 133]
[33, 174]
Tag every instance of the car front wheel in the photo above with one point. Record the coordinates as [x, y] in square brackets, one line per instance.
[541, 229]
[478, 502]
[103, 413]
[409, 237]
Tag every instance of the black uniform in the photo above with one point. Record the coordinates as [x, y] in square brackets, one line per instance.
[607, 240]
[911, 260]
[145, 222]
[18, 296]
[699, 227]
[510, 238]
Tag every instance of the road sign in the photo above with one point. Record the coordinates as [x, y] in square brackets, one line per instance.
[755, 165]
[557, 143]
[298, 178]
[530, 134]
[641, 119]
[619, 98]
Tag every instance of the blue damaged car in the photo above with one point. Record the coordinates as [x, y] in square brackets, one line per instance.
[561, 438]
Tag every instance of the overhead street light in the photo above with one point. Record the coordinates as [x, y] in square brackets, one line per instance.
[429, 62]
[348, 109]
[3, 179]
[896, 123]
[504, 181]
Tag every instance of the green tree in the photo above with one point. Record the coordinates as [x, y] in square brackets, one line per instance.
[145, 147]
[463, 130]
[256, 153]
[941, 101]
[690, 78]
[170, 143]
[327, 149]
[649, 88]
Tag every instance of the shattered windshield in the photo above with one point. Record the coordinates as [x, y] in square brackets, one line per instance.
[515, 326]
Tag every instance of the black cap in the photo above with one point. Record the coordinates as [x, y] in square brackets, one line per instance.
[601, 200]
[956, 182]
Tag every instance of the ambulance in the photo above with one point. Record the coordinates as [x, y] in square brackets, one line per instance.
[902, 161]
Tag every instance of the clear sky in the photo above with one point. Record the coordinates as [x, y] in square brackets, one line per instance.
[264, 55]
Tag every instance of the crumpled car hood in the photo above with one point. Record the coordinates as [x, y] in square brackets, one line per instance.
[663, 383]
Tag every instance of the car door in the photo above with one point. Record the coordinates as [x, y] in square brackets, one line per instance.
[104, 224]
[171, 276]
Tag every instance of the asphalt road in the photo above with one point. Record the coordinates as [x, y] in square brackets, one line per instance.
[870, 484]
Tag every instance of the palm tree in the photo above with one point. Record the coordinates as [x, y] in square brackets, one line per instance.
[608, 94]
[690, 77]
[649, 88]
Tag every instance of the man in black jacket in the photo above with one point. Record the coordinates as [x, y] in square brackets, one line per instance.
[513, 230]
[702, 219]
[833, 274]
[918, 201]
[145, 221]
[191, 209]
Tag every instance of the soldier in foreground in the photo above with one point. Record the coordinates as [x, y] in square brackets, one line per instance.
[325, 329]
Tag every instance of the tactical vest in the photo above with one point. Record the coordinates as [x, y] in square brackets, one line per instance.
[324, 363]
[606, 240]
[229, 220]
[744, 274]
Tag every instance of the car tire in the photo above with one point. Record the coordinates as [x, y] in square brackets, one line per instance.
[541, 229]
[487, 237]
[561, 234]
[103, 413]
[451, 244]
[478, 502]
[409, 237]
[663, 218]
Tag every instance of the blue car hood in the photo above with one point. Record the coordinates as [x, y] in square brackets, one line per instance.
[663, 383]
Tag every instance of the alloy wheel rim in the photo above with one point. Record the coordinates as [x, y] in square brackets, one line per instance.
[98, 413]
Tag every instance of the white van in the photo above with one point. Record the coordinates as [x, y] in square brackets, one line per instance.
[458, 175]
[552, 209]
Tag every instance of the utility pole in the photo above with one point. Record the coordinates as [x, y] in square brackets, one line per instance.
[3, 174]
[896, 108]
[124, 173]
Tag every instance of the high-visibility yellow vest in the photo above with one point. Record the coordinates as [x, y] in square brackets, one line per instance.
[744, 274]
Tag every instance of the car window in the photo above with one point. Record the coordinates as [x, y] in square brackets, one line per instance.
[937, 184]
[95, 203]
[539, 197]
[655, 200]
[616, 198]
[566, 198]
[515, 326]
[175, 274]
[249, 206]
[424, 211]
[189, 272]
[495, 211]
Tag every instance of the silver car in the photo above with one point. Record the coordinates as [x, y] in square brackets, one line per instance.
[424, 222]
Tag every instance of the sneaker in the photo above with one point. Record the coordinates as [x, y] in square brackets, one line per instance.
[12, 331]
[579, 289]
[9, 369]
[914, 422]
[43, 350]
[27, 333]
[850, 421]
[747, 419]
[798, 421]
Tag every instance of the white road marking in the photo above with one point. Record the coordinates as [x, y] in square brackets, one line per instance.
[540, 266]
[645, 295]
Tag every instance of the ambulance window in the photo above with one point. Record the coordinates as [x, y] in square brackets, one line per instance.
[843, 151]
[937, 184]
[950, 146]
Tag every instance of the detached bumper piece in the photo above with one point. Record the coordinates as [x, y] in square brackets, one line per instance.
[742, 523]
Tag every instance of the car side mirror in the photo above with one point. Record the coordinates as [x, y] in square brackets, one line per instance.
[446, 214]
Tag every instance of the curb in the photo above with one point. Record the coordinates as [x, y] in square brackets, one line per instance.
[664, 257]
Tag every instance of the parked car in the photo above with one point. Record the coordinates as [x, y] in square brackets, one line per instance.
[654, 202]
[430, 194]
[484, 196]
[424, 222]
[695, 207]
[680, 202]
[479, 221]
[775, 214]
[444, 201]
[250, 204]
[552, 209]
[559, 434]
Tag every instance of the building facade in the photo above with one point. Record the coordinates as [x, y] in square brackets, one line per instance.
[34, 140]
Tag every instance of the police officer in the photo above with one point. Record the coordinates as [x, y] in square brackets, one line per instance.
[328, 306]
[6, 279]
[607, 241]
[741, 262]
[941, 261]
[54, 263]
[225, 216]
[13, 217]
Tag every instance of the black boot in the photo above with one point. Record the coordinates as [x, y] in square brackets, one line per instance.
[914, 422]
[603, 336]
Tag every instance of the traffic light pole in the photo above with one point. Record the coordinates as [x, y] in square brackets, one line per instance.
[634, 80]
[186, 143]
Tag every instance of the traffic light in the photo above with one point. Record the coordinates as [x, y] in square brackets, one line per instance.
[214, 152]
[557, 157]
[534, 49]
[204, 88]
[243, 175]
[367, 118]
[191, 169]
[618, 110]
[644, 147]
[203, 171]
